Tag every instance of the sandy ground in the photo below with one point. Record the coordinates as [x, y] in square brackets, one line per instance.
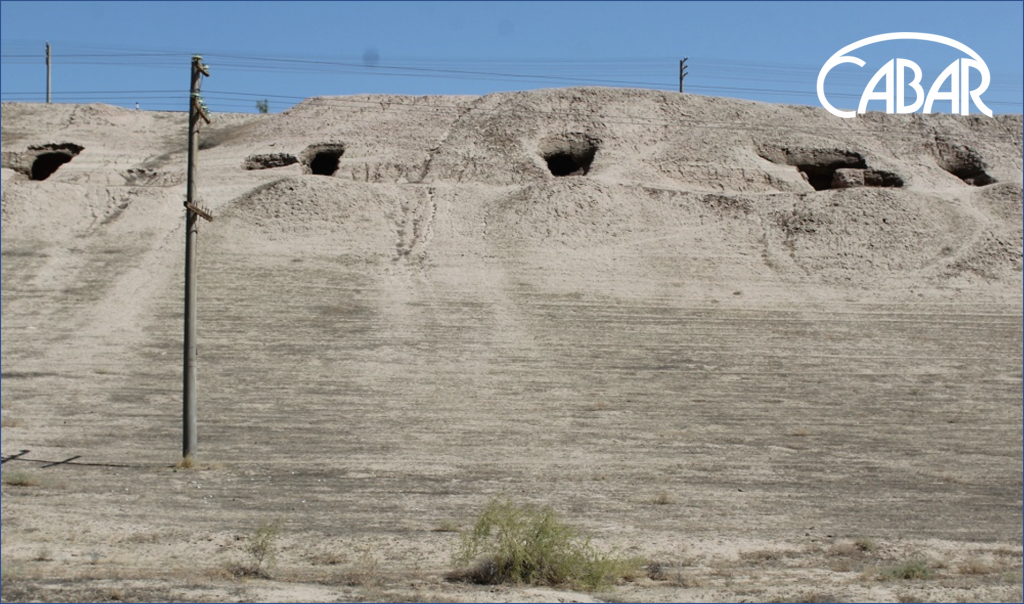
[768, 392]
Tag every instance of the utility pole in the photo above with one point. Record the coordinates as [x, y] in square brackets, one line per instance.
[47, 73]
[197, 110]
[682, 72]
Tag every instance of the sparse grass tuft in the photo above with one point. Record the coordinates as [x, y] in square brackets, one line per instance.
[809, 597]
[662, 498]
[19, 478]
[328, 559]
[1015, 576]
[447, 526]
[44, 554]
[512, 543]
[978, 566]
[261, 547]
[366, 571]
[8, 572]
[185, 463]
[762, 556]
[910, 570]
[656, 571]
[865, 545]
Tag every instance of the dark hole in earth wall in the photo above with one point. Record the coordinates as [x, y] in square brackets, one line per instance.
[46, 159]
[971, 173]
[963, 162]
[323, 160]
[827, 169]
[569, 155]
[46, 164]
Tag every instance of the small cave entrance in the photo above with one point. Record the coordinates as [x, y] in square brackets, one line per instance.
[48, 158]
[827, 169]
[972, 175]
[822, 175]
[964, 163]
[322, 160]
[569, 155]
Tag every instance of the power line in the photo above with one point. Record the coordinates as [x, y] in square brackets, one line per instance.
[552, 70]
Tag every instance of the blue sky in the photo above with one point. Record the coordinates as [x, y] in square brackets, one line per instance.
[127, 52]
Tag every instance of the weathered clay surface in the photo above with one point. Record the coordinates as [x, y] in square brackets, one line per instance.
[691, 344]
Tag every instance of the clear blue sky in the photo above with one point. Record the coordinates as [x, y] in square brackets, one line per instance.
[127, 52]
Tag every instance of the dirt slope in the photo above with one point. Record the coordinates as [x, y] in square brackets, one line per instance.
[735, 339]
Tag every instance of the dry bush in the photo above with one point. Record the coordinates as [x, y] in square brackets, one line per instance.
[906, 571]
[662, 498]
[844, 566]
[261, 548]
[656, 571]
[761, 556]
[1008, 552]
[365, 573]
[446, 526]
[844, 549]
[44, 554]
[978, 566]
[856, 548]
[19, 478]
[512, 543]
[673, 575]
[328, 559]
[809, 597]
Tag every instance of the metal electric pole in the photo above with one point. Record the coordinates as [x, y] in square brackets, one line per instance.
[197, 111]
[682, 72]
[47, 73]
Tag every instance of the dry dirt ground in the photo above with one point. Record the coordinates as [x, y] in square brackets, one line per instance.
[774, 353]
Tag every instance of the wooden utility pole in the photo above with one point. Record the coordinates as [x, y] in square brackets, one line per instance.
[47, 73]
[682, 72]
[197, 110]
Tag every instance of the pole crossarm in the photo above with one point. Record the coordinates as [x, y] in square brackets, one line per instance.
[202, 212]
[197, 61]
[200, 107]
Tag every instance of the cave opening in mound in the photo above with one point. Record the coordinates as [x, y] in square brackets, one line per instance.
[571, 155]
[963, 162]
[324, 163]
[323, 160]
[46, 164]
[826, 169]
[822, 173]
[569, 164]
[51, 158]
[970, 173]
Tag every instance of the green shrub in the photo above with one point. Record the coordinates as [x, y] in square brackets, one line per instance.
[913, 569]
[261, 546]
[512, 543]
[20, 479]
